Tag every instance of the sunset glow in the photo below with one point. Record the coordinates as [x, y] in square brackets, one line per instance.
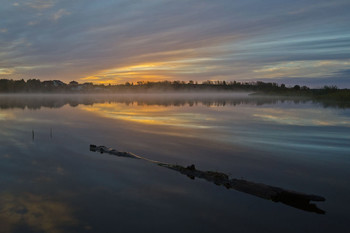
[113, 42]
[174, 116]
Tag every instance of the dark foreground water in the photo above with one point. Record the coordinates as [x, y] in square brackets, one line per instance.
[53, 183]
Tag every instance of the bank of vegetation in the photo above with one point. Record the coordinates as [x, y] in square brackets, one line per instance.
[327, 93]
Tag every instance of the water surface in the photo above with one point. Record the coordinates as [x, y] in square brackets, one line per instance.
[52, 182]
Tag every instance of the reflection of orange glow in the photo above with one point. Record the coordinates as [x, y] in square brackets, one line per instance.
[37, 212]
[6, 116]
[150, 115]
[174, 116]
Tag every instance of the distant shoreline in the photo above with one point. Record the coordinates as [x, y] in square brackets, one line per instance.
[35, 86]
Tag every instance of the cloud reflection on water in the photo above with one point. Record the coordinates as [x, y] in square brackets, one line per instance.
[233, 139]
[30, 211]
[150, 115]
[303, 117]
[275, 124]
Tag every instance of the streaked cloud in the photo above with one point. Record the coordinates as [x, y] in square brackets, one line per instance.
[60, 13]
[6, 71]
[117, 41]
[308, 68]
[39, 4]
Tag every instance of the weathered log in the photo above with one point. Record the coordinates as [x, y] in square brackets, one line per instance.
[103, 149]
[276, 194]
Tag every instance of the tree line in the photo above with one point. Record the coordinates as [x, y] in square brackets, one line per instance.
[36, 85]
[258, 87]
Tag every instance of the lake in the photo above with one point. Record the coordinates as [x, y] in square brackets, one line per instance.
[51, 181]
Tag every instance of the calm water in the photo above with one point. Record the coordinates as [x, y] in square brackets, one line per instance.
[53, 183]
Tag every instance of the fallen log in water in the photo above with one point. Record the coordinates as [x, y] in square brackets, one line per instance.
[103, 149]
[276, 194]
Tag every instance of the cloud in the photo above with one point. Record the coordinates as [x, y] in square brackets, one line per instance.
[345, 72]
[32, 23]
[196, 40]
[306, 68]
[60, 13]
[6, 71]
[40, 4]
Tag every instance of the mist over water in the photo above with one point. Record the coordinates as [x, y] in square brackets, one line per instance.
[36, 101]
[294, 144]
[57, 100]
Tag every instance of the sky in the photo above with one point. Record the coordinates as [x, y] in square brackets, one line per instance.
[115, 41]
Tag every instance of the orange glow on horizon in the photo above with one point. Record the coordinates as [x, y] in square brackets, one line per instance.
[155, 71]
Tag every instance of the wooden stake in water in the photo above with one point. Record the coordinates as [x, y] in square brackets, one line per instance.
[51, 133]
[33, 135]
